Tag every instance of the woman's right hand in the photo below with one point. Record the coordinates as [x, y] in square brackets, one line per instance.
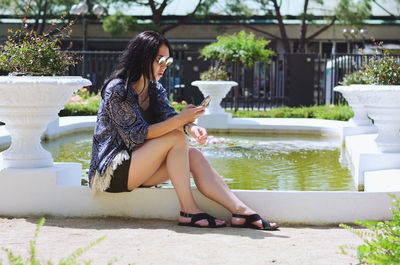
[190, 113]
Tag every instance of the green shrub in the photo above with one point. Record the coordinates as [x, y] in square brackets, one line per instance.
[332, 112]
[13, 259]
[352, 78]
[381, 70]
[86, 108]
[382, 243]
[214, 73]
[238, 47]
[26, 53]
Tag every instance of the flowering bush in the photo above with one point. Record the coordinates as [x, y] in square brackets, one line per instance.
[26, 53]
[381, 70]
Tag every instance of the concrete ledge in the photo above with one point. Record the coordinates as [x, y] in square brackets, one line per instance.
[49, 192]
[351, 129]
[382, 180]
[285, 125]
[364, 155]
[38, 193]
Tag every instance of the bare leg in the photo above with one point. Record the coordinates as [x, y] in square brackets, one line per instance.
[166, 156]
[210, 183]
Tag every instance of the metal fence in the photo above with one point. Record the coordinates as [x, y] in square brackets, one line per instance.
[287, 80]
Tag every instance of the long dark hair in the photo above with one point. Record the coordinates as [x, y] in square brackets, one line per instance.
[138, 57]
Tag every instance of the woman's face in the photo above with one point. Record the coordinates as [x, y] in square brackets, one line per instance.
[159, 66]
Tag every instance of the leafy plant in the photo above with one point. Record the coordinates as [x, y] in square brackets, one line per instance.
[382, 243]
[214, 73]
[118, 23]
[13, 259]
[81, 108]
[236, 48]
[381, 70]
[27, 53]
[352, 78]
[331, 112]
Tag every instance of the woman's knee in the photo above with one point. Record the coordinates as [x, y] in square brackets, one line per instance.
[196, 157]
[177, 137]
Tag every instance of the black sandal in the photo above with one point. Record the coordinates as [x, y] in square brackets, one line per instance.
[253, 218]
[200, 216]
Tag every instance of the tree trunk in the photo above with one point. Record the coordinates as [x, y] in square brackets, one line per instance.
[282, 29]
[303, 29]
[43, 24]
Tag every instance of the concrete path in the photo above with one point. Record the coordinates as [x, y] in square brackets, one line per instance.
[138, 241]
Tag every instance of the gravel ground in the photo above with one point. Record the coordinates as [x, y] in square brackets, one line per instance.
[139, 241]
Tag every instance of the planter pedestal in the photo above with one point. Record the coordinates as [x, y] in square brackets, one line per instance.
[364, 155]
[27, 105]
[383, 106]
[360, 123]
[375, 152]
[214, 116]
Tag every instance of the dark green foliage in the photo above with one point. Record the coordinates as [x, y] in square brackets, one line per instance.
[353, 12]
[118, 23]
[382, 243]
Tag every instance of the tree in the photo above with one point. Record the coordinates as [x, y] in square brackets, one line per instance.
[157, 9]
[39, 10]
[350, 12]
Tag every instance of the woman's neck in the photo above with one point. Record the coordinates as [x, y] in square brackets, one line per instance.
[140, 86]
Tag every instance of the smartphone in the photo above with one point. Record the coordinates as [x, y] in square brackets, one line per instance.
[206, 101]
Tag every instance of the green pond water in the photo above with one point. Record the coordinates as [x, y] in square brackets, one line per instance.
[273, 162]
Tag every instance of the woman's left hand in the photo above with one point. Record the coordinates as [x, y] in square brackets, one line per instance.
[199, 133]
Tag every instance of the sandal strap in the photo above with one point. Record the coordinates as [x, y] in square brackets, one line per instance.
[249, 218]
[266, 224]
[200, 216]
[183, 214]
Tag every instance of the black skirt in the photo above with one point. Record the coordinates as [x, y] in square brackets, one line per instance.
[119, 179]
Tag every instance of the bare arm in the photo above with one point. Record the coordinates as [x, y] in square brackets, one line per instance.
[188, 114]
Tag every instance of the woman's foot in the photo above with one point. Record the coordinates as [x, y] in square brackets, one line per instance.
[250, 219]
[200, 219]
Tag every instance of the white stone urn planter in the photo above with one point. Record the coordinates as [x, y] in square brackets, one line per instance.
[360, 113]
[217, 90]
[27, 105]
[214, 116]
[382, 103]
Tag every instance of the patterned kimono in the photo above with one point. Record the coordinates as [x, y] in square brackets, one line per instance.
[121, 128]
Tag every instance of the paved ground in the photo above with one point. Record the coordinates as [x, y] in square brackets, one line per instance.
[133, 241]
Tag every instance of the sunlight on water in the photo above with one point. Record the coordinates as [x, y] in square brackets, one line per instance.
[252, 162]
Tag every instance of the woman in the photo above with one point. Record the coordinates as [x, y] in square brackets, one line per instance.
[139, 139]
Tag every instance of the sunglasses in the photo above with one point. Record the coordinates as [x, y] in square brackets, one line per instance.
[166, 61]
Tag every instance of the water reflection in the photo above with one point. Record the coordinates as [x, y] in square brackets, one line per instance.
[254, 162]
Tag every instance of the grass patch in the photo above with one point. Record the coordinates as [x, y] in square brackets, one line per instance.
[331, 112]
[86, 108]
[90, 106]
